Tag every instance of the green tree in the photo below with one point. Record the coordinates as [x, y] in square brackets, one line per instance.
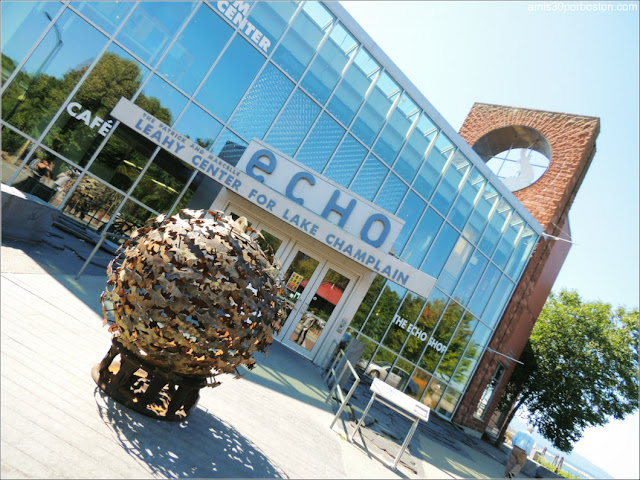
[580, 369]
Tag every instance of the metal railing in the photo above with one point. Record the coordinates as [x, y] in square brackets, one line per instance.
[336, 387]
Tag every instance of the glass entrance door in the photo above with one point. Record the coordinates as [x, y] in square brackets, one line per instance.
[313, 293]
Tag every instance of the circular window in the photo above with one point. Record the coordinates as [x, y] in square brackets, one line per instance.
[518, 155]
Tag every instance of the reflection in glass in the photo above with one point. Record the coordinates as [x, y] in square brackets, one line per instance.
[383, 311]
[159, 95]
[426, 322]
[406, 316]
[41, 86]
[83, 125]
[441, 335]
[420, 378]
[410, 211]
[106, 15]
[162, 182]
[300, 42]
[92, 203]
[152, 26]
[433, 393]
[380, 367]
[484, 289]
[369, 178]
[391, 193]
[470, 358]
[269, 243]
[498, 301]
[199, 126]
[413, 153]
[394, 133]
[195, 50]
[230, 78]
[293, 123]
[324, 72]
[22, 23]
[448, 402]
[346, 161]
[369, 350]
[478, 220]
[454, 266]
[470, 278]
[508, 240]
[521, 254]
[374, 112]
[271, 18]
[465, 202]
[456, 347]
[298, 274]
[130, 217]
[351, 91]
[421, 240]
[262, 103]
[229, 147]
[15, 148]
[325, 301]
[431, 171]
[496, 226]
[320, 144]
[451, 183]
[439, 253]
[368, 302]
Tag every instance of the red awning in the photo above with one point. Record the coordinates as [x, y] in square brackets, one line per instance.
[326, 290]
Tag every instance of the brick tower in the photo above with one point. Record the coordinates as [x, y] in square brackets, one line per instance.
[568, 141]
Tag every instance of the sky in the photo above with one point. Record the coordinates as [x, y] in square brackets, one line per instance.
[582, 61]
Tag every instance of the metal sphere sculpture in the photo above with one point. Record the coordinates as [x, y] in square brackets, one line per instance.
[191, 297]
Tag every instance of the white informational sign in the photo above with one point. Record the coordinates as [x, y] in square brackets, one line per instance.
[359, 249]
[400, 399]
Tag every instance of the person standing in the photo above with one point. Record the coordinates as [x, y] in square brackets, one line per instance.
[307, 322]
[522, 443]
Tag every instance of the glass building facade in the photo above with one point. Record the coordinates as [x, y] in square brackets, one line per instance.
[298, 76]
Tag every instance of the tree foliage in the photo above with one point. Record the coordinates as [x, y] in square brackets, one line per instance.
[580, 368]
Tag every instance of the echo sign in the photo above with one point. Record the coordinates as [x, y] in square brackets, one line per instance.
[318, 194]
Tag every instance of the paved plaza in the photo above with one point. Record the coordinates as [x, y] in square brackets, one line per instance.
[274, 422]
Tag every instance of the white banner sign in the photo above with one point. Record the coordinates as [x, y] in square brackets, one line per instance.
[275, 203]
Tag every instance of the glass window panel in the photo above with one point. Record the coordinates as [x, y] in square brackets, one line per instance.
[46, 176]
[407, 315]
[350, 93]
[263, 101]
[229, 147]
[410, 211]
[465, 202]
[15, 148]
[478, 220]
[230, 78]
[431, 171]
[434, 392]
[107, 15]
[426, 322]
[381, 365]
[326, 68]
[414, 151]
[440, 251]
[469, 280]
[346, 161]
[369, 178]
[421, 379]
[271, 18]
[161, 100]
[400, 378]
[301, 40]
[115, 75]
[293, 123]
[421, 240]
[320, 144]
[508, 241]
[456, 347]
[391, 193]
[122, 158]
[384, 310]
[51, 72]
[521, 254]
[199, 126]
[470, 358]
[498, 301]
[22, 24]
[367, 353]
[162, 182]
[448, 402]
[368, 302]
[131, 216]
[451, 183]
[93, 203]
[152, 26]
[454, 266]
[194, 51]
[484, 290]
[496, 226]
[374, 112]
[441, 336]
[393, 135]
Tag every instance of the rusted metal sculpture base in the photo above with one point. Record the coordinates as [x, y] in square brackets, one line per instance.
[147, 389]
